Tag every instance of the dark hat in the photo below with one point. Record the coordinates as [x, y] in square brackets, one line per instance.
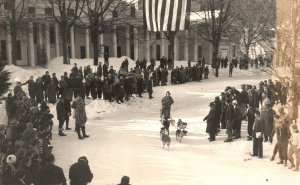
[168, 92]
[83, 159]
[125, 180]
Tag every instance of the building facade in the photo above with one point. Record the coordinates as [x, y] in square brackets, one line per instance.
[40, 38]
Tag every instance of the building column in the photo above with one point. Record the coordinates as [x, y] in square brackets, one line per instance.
[148, 46]
[31, 46]
[48, 48]
[186, 45]
[136, 44]
[114, 43]
[73, 42]
[128, 42]
[41, 38]
[162, 44]
[176, 48]
[9, 48]
[196, 48]
[87, 43]
[57, 36]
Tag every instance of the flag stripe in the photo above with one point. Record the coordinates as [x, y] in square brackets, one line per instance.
[167, 15]
[175, 9]
[159, 8]
[183, 14]
[178, 14]
[147, 14]
[163, 11]
[188, 13]
[170, 15]
[153, 15]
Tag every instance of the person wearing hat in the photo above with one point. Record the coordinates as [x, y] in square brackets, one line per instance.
[18, 89]
[250, 113]
[51, 174]
[125, 180]
[46, 79]
[149, 87]
[62, 115]
[294, 148]
[167, 101]
[75, 68]
[257, 135]
[9, 169]
[80, 172]
[31, 87]
[238, 114]
[80, 118]
[212, 122]
[229, 119]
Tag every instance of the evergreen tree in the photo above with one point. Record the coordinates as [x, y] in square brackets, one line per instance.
[4, 78]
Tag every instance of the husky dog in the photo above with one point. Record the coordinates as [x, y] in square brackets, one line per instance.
[165, 138]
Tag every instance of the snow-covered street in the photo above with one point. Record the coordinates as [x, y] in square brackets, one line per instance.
[125, 141]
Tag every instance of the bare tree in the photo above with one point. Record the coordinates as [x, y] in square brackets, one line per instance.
[15, 14]
[102, 16]
[254, 20]
[66, 13]
[217, 20]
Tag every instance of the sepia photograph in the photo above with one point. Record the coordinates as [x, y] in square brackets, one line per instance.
[149, 92]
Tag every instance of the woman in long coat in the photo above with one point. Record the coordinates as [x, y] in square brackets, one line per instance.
[39, 91]
[51, 91]
[212, 122]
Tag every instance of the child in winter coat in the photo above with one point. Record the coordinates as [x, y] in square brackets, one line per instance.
[294, 148]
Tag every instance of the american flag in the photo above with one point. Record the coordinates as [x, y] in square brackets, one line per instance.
[166, 15]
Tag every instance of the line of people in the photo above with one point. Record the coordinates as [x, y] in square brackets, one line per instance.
[263, 121]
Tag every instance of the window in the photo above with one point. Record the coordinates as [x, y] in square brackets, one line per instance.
[48, 11]
[71, 12]
[157, 35]
[52, 34]
[31, 10]
[115, 14]
[18, 50]
[132, 11]
[3, 50]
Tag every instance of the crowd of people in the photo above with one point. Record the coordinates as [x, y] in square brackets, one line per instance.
[256, 105]
[25, 145]
[26, 150]
[104, 82]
